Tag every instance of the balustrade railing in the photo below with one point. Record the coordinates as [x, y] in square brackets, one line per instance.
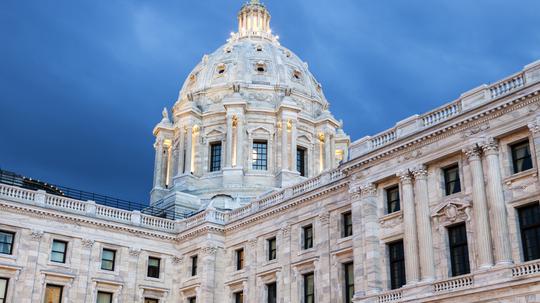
[391, 296]
[156, 222]
[525, 269]
[454, 283]
[113, 213]
[505, 86]
[441, 114]
[17, 192]
[383, 139]
[65, 203]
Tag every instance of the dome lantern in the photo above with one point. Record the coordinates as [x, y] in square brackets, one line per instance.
[254, 20]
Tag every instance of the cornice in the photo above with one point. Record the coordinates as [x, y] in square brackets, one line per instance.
[444, 130]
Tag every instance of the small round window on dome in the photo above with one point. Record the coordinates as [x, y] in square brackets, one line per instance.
[228, 50]
[297, 75]
[260, 67]
[221, 69]
[259, 48]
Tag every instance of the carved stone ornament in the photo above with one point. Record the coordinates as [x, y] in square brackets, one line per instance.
[490, 146]
[475, 130]
[36, 234]
[391, 221]
[87, 243]
[534, 127]
[405, 176]
[285, 230]
[177, 259]
[368, 190]
[252, 243]
[452, 210]
[209, 250]
[473, 152]
[324, 217]
[415, 154]
[134, 251]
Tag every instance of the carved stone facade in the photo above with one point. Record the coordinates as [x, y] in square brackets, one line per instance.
[451, 167]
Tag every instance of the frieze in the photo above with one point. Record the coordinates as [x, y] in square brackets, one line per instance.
[477, 129]
[451, 211]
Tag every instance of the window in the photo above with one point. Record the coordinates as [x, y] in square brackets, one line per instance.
[309, 288]
[148, 300]
[259, 155]
[221, 69]
[346, 220]
[192, 300]
[459, 251]
[307, 232]
[58, 253]
[239, 259]
[107, 259]
[271, 293]
[301, 161]
[392, 199]
[153, 267]
[397, 264]
[194, 260]
[348, 270]
[451, 180]
[239, 297]
[215, 156]
[529, 224]
[6, 242]
[3, 289]
[521, 157]
[104, 297]
[53, 293]
[272, 249]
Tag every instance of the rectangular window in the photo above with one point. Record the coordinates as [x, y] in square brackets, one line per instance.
[194, 260]
[108, 257]
[396, 258]
[309, 288]
[239, 259]
[459, 251]
[259, 155]
[271, 293]
[307, 232]
[58, 253]
[239, 297]
[154, 265]
[3, 289]
[6, 242]
[348, 270]
[529, 224]
[451, 180]
[521, 156]
[215, 156]
[104, 297]
[301, 161]
[392, 199]
[346, 219]
[149, 300]
[192, 300]
[272, 249]
[53, 293]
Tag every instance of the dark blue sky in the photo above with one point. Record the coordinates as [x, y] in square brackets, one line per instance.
[82, 83]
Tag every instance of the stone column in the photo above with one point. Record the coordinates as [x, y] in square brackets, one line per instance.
[250, 294]
[499, 222]
[323, 248]
[410, 241]
[293, 145]
[284, 149]
[181, 143]
[327, 153]
[534, 127]
[284, 257]
[372, 249]
[357, 240]
[158, 163]
[333, 152]
[240, 142]
[189, 149]
[229, 143]
[208, 274]
[481, 212]
[423, 220]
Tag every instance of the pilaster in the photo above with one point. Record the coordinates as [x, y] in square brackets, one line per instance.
[410, 240]
[372, 261]
[357, 239]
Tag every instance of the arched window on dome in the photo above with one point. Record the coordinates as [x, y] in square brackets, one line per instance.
[259, 48]
[260, 67]
[221, 69]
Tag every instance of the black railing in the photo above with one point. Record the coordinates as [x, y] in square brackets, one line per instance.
[11, 178]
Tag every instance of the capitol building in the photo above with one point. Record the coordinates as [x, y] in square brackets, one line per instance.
[260, 196]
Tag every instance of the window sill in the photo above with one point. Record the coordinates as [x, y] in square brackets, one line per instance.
[344, 239]
[521, 175]
[58, 264]
[108, 272]
[6, 256]
[191, 279]
[392, 215]
[160, 280]
[306, 251]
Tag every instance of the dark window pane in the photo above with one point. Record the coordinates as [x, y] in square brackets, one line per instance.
[239, 297]
[392, 199]
[104, 297]
[215, 157]
[397, 264]
[192, 300]
[153, 267]
[521, 157]
[6, 242]
[148, 300]
[194, 261]
[107, 259]
[53, 293]
[459, 252]
[529, 223]
[272, 249]
[309, 288]
[349, 281]
[451, 180]
[308, 236]
[259, 156]
[301, 161]
[271, 293]
[239, 259]
[347, 229]
[4, 282]
[58, 253]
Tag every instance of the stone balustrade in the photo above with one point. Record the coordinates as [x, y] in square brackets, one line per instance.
[441, 114]
[453, 283]
[383, 139]
[506, 86]
[529, 268]
[390, 296]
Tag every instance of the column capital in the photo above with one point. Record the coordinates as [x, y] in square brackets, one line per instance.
[490, 146]
[419, 172]
[473, 152]
[368, 190]
[534, 127]
[405, 176]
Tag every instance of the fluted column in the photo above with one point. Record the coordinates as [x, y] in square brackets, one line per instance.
[423, 220]
[481, 212]
[181, 143]
[284, 150]
[372, 262]
[499, 222]
[189, 148]
[240, 142]
[410, 241]
[357, 239]
[534, 128]
[158, 163]
[327, 158]
[229, 147]
[293, 145]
